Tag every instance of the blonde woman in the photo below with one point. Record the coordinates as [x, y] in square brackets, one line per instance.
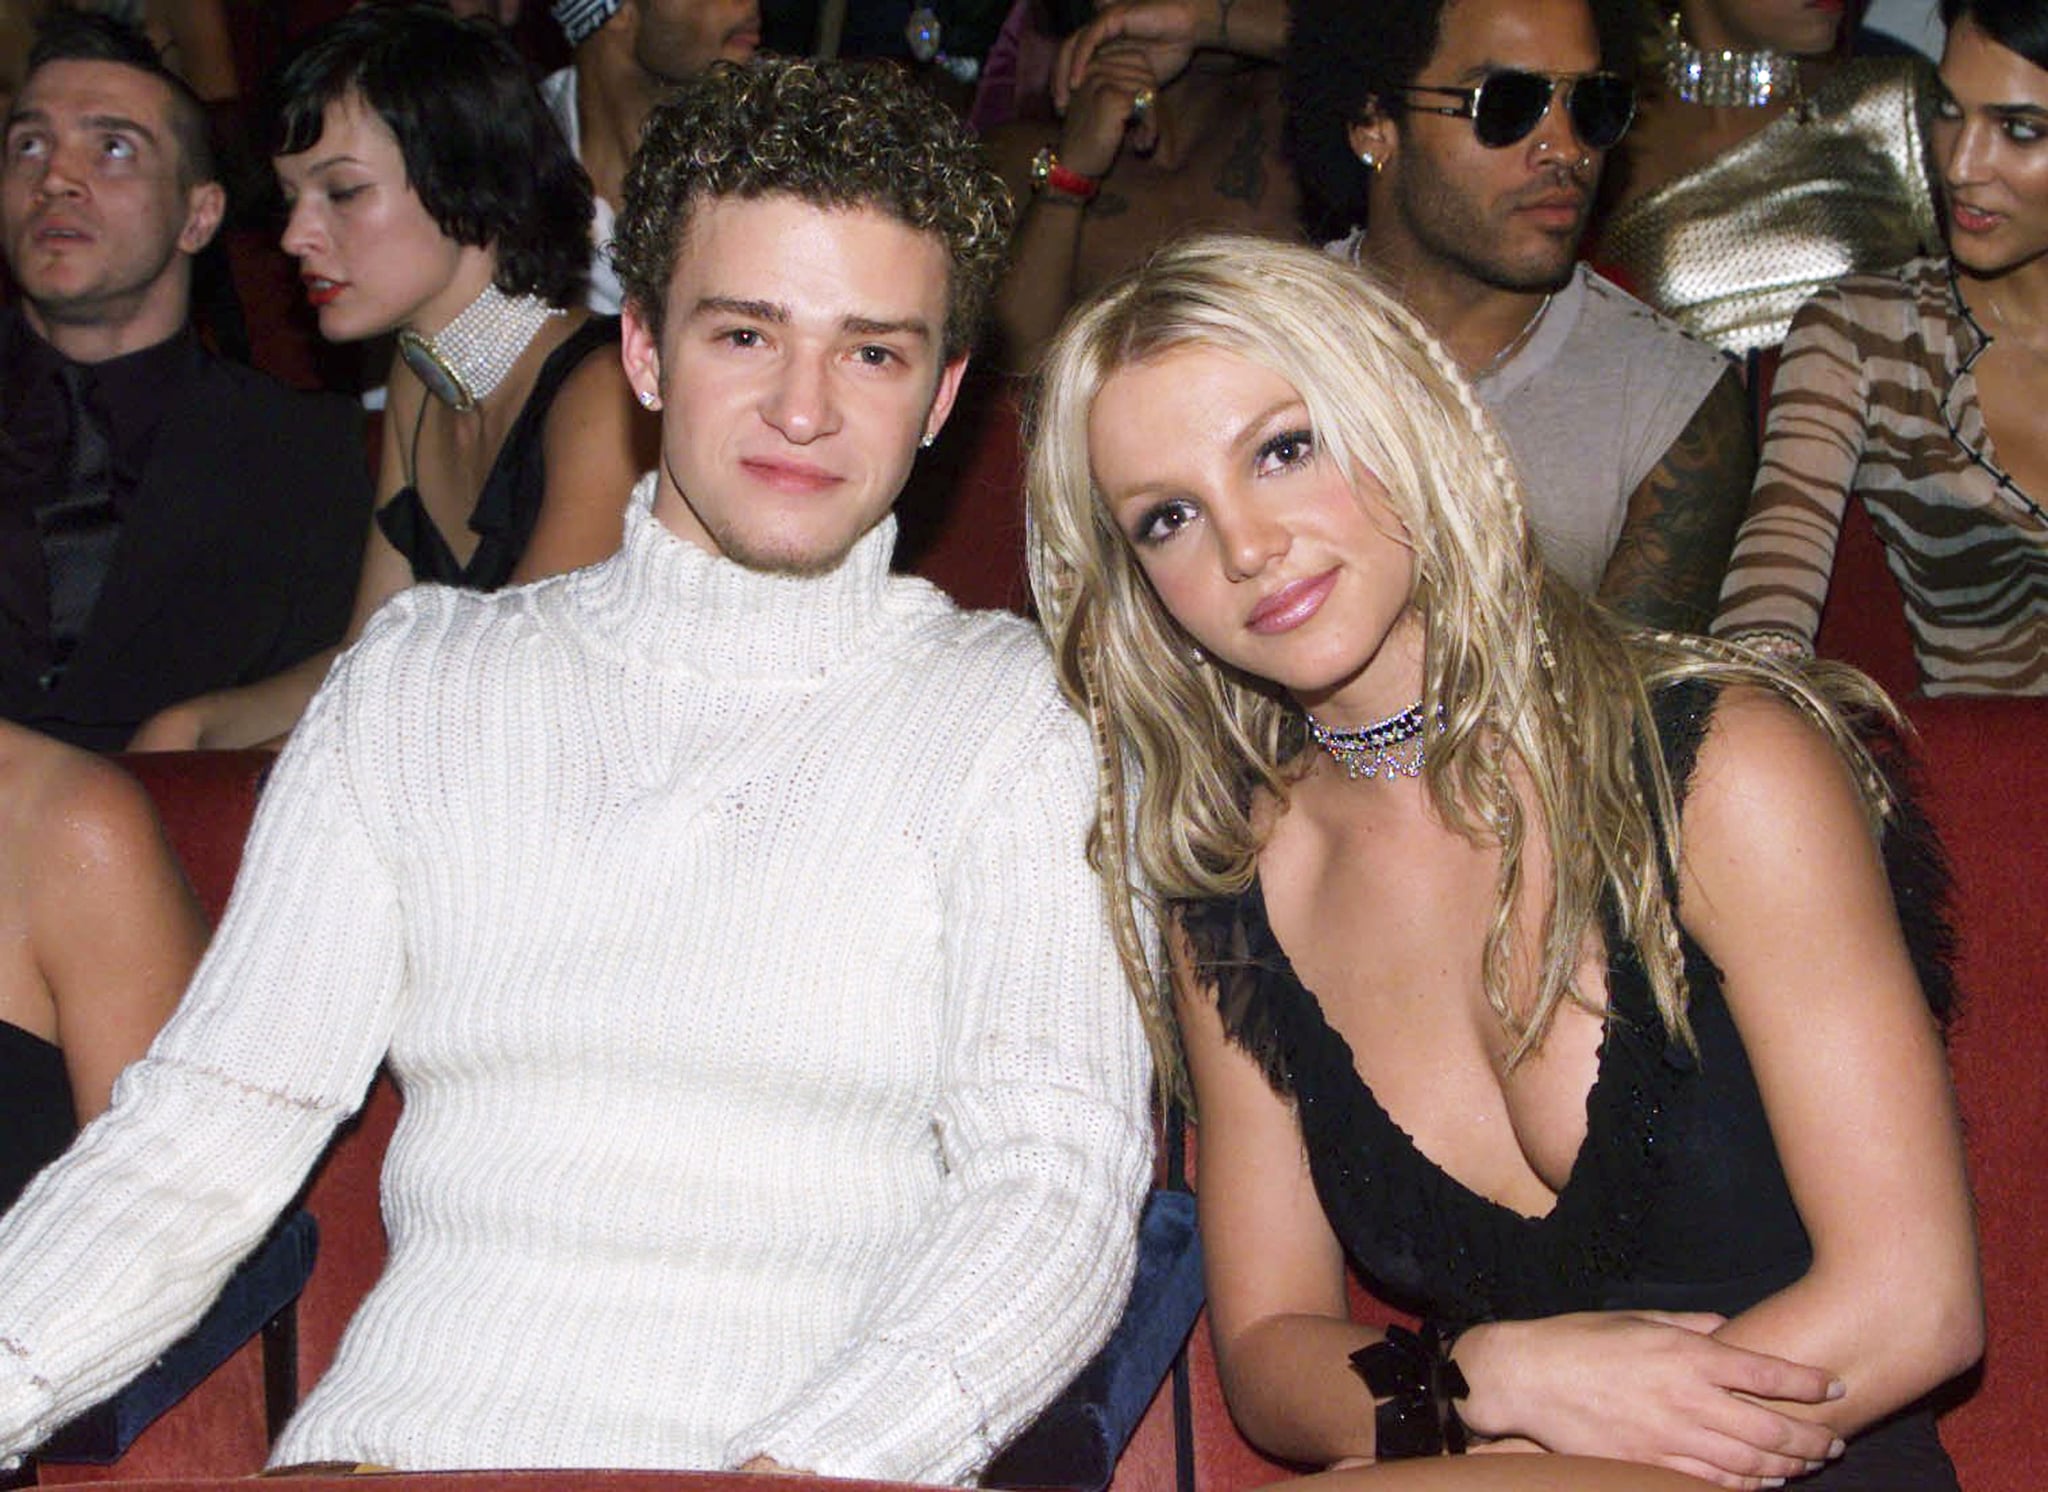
[1549, 971]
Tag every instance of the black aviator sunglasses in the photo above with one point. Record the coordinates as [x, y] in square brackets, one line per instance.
[1509, 104]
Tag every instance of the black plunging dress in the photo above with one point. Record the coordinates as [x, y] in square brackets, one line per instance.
[1676, 1201]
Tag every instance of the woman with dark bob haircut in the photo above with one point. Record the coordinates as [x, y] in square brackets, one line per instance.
[431, 195]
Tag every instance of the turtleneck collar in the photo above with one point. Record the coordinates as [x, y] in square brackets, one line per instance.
[676, 608]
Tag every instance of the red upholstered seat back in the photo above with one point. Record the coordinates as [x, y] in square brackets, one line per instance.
[1987, 791]
[205, 800]
[1864, 620]
[961, 520]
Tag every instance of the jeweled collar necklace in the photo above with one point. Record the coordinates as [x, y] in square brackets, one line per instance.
[464, 362]
[1393, 747]
[1726, 80]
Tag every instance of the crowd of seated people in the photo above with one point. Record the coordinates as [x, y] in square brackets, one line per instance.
[596, 859]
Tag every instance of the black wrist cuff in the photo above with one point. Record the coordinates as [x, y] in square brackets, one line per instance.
[1417, 1387]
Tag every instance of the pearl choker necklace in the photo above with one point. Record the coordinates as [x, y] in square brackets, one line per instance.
[1726, 80]
[469, 357]
[1391, 747]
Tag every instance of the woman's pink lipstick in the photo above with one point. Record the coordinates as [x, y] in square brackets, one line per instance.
[1972, 219]
[1291, 605]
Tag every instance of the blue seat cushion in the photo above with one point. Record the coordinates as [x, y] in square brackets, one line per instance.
[1075, 1443]
[265, 1283]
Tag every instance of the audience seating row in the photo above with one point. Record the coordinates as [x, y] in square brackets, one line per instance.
[1987, 789]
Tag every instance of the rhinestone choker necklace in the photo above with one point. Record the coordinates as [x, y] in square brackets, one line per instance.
[1392, 747]
[469, 357]
[1726, 80]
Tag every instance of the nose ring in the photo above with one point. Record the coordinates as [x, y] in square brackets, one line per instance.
[1574, 165]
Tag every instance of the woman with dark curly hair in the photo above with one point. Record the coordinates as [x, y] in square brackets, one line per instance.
[431, 195]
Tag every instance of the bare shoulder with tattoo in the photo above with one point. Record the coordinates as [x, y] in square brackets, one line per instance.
[1680, 526]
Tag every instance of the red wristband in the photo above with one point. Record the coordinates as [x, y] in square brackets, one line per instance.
[1048, 175]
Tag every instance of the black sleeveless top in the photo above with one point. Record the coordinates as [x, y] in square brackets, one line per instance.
[508, 509]
[36, 1117]
[1676, 1200]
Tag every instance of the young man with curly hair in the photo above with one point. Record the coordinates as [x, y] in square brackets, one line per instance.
[722, 911]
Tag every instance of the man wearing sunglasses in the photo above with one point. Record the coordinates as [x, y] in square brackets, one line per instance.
[1467, 136]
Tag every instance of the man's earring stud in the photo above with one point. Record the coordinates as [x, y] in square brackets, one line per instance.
[1370, 161]
[649, 400]
[928, 442]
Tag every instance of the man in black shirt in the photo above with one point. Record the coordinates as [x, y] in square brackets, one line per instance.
[169, 523]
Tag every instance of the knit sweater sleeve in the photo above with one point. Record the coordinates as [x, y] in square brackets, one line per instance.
[118, 1246]
[1043, 1126]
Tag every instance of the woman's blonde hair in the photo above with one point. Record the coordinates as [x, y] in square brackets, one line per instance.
[1531, 686]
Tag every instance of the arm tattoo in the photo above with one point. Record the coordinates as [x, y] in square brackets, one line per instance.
[1675, 541]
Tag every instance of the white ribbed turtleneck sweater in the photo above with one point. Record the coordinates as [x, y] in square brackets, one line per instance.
[770, 1088]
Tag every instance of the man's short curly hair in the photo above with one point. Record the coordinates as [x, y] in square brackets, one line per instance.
[833, 134]
[1342, 55]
